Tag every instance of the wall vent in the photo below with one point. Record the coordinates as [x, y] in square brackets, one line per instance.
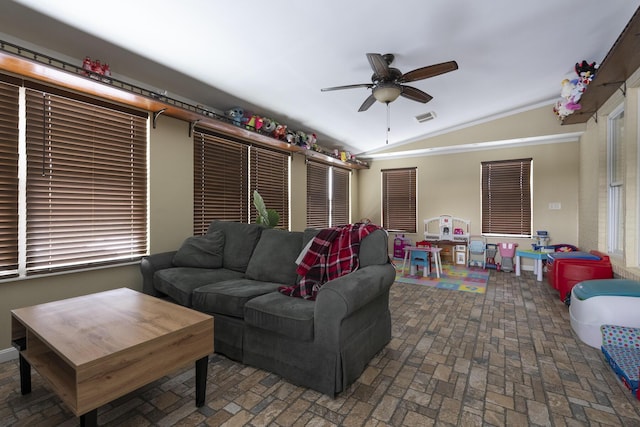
[421, 118]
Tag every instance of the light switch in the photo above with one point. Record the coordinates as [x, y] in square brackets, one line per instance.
[555, 206]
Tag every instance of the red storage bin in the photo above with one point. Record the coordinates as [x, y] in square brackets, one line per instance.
[566, 269]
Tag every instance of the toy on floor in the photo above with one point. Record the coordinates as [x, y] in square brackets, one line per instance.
[491, 251]
[607, 301]
[477, 251]
[566, 269]
[621, 349]
[507, 252]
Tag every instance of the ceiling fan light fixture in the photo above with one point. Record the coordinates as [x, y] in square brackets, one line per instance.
[387, 92]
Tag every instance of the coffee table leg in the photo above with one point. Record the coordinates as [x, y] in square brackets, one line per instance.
[25, 376]
[90, 419]
[25, 367]
[201, 380]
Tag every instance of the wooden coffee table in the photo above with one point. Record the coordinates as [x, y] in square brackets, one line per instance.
[96, 348]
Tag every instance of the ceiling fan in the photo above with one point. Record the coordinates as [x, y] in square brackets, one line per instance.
[387, 82]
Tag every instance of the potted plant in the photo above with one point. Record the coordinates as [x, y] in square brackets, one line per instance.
[267, 217]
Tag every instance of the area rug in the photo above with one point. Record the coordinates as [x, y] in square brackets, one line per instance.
[453, 277]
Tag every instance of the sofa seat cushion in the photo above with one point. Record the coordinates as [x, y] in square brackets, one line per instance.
[179, 282]
[274, 258]
[229, 297]
[275, 312]
[239, 241]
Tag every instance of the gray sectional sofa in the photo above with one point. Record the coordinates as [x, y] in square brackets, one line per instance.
[234, 272]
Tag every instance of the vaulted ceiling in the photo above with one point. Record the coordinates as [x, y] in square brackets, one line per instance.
[273, 58]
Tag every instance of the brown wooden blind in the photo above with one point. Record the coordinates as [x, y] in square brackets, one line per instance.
[8, 180]
[86, 183]
[270, 176]
[221, 181]
[506, 197]
[317, 195]
[340, 197]
[399, 199]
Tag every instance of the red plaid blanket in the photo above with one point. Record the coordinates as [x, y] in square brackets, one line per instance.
[333, 253]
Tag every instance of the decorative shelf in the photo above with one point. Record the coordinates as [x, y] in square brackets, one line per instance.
[622, 60]
[29, 64]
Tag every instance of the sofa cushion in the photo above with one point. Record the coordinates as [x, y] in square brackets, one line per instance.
[274, 258]
[179, 282]
[230, 296]
[291, 317]
[374, 249]
[239, 241]
[201, 251]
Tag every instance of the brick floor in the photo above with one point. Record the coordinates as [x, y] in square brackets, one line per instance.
[508, 357]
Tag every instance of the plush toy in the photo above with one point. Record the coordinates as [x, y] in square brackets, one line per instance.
[280, 131]
[236, 115]
[312, 140]
[303, 139]
[292, 137]
[268, 125]
[255, 122]
[572, 89]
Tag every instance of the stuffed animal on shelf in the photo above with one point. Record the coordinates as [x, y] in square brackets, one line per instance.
[236, 115]
[279, 132]
[255, 122]
[303, 139]
[292, 137]
[268, 125]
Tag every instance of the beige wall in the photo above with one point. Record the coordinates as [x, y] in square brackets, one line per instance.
[450, 184]
[593, 180]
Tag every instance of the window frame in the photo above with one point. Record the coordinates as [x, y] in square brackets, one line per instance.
[506, 198]
[399, 209]
[615, 181]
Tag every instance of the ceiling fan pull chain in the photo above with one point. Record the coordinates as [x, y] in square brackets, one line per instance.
[388, 122]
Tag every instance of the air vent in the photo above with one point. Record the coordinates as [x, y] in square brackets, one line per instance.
[426, 117]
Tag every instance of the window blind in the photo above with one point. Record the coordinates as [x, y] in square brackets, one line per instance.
[221, 181]
[86, 183]
[317, 195]
[340, 197]
[506, 197]
[270, 176]
[399, 199]
[8, 180]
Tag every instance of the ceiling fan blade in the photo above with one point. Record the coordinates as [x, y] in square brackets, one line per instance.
[415, 94]
[379, 65]
[429, 71]
[367, 85]
[367, 103]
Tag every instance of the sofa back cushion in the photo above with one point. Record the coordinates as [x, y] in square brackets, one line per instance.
[274, 259]
[239, 242]
[201, 251]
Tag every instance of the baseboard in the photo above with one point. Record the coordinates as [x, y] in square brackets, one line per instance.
[8, 354]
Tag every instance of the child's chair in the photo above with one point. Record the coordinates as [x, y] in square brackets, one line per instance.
[477, 251]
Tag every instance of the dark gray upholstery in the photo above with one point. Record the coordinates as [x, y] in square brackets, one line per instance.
[273, 259]
[179, 282]
[323, 344]
[201, 251]
[239, 241]
[230, 296]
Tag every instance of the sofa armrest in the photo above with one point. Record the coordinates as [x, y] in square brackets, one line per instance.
[340, 298]
[149, 265]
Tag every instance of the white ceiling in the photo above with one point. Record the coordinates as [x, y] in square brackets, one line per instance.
[274, 57]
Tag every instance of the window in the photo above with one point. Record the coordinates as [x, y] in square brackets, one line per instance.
[73, 173]
[506, 197]
[225, 174]
[615, 153]
[270, 176]
[327, 195]
[399, 189]
[8, 180]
